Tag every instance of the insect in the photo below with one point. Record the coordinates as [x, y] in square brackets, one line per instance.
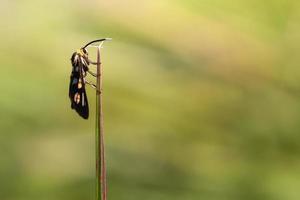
[80, 68]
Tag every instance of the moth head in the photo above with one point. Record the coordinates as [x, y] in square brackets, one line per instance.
[82, 52]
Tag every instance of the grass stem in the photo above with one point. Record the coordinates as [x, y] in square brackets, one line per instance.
[101, 189]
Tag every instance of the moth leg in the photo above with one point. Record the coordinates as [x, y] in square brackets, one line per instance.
[94, 63]
[92, 73]
[91, 84]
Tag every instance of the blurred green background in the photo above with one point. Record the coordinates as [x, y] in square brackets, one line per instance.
[201, 99]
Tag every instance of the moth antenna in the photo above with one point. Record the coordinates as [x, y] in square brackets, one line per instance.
[99, 40]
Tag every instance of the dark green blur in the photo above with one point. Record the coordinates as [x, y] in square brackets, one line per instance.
[201, 99]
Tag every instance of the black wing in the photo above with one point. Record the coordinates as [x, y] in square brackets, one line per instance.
[77, 92]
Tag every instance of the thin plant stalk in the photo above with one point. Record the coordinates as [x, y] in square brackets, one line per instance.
[101, 189]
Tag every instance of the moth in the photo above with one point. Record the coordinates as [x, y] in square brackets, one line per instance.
[77, 92]
[80, 68]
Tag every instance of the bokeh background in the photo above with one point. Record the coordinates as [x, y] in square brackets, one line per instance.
[201, 99]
